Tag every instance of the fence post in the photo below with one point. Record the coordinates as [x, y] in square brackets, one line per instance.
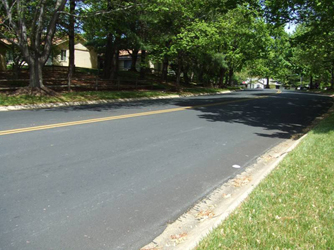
[118, 83]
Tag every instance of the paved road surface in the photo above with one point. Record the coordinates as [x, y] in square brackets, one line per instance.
[116, 184]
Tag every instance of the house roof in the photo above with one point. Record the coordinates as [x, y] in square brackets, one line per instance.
[61, 40]
[125, 52]
[5, 42]
[55, 40]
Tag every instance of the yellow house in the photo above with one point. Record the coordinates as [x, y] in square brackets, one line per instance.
[84, 56]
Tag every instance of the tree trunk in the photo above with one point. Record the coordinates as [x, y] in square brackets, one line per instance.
[116, 63]
[230, 76]
[36, 75]
[267, 85]
[164, 69]
[112, 64]
[178, 72]
[201, 74]
[221, 76]
[108, 57]
[332, 76]
[311, 82]
[71, 66]
[134, 57]
[185, 71]
[143, 65]
[108, 54]
[186, 76]
[115, 59]
[16, 70]
[16, 63]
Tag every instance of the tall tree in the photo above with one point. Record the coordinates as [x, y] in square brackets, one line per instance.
[313, 54]
[274, 62]
[71, 38]
[316, 16]
[30, 25]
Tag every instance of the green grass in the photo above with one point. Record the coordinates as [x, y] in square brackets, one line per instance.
[6, 100]
[293, 208]
[326, 92]
[111, 95]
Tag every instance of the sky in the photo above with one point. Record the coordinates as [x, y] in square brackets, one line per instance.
[290, 28]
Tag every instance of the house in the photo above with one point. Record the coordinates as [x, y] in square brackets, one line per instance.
[84, 56]
[125, 62]
[260, 83]
[3, 51]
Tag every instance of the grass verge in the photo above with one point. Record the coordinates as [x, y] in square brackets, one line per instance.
[293, 208]
[325, 92]
[7, 100]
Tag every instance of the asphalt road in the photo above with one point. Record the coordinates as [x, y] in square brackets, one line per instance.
[115, 184]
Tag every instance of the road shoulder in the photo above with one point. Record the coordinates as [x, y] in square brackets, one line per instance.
[194, 225]
[190, 228]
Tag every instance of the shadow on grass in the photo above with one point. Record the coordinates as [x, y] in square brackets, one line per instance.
[326, 126]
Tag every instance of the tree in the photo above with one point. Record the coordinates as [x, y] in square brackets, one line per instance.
[313, 55]
[71, 37]
[32, 33]
[194, 37]
[274, 62]
[317, 17]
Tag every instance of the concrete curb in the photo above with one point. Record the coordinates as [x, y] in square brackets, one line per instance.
[193, 226]
[237, 202]
[69, 104]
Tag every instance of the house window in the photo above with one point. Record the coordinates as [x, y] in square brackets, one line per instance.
[63, 55]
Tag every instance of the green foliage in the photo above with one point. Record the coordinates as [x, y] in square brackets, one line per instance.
[313, 55]
[275, 60]
[313, 42]
[208, 39]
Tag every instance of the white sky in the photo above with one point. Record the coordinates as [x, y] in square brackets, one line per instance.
[290, 28]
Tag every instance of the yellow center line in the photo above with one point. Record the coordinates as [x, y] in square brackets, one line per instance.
[118, 117]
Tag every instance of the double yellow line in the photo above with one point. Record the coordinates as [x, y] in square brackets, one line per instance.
[118, 117]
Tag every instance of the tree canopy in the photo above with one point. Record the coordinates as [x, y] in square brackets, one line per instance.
[204, 41]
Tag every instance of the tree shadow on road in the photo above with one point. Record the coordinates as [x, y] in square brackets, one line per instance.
[281, 116]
